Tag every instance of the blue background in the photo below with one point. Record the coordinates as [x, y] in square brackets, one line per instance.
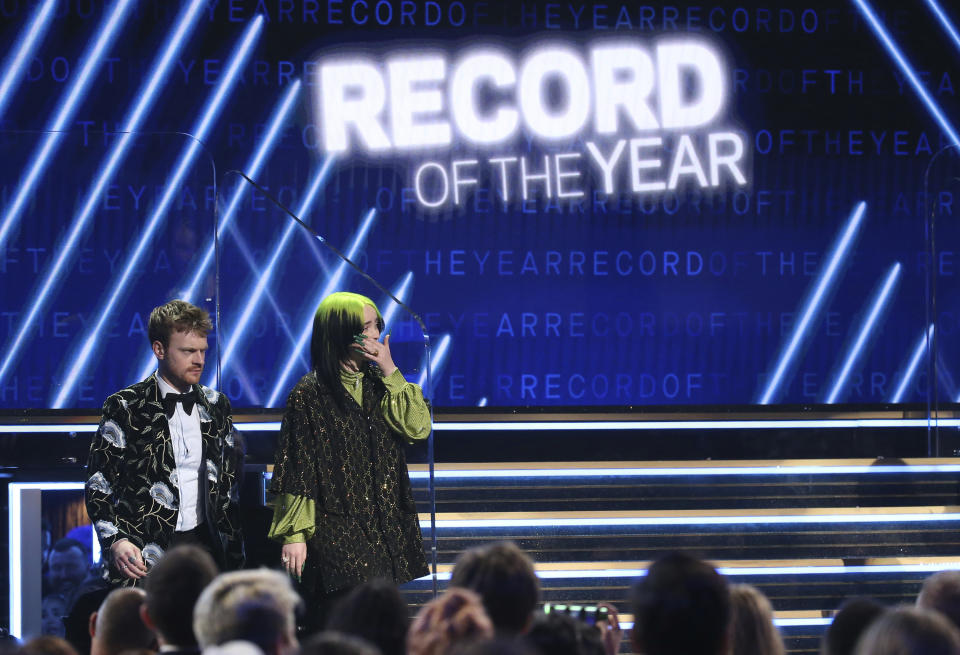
[708, 334]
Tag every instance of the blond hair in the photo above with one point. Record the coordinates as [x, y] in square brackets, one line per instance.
[255, 605]
[751, 623]
[177, 316]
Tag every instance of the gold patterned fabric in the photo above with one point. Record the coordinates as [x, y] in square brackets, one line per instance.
[351, 463]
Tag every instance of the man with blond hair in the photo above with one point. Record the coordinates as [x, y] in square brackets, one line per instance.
[163, 466]
[258, 606]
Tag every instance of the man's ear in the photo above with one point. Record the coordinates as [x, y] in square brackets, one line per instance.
[287, 643]
[158, 349]
[92, 625]
[527, 625]
[145, 617]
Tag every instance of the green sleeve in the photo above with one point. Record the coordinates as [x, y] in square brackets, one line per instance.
[404, 408]
[294, 519]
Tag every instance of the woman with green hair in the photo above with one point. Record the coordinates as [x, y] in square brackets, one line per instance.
[344, 508]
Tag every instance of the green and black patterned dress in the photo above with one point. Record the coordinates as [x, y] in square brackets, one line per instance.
[341, 480]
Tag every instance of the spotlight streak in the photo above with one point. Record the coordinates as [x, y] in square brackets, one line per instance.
[945, 378]
[119, 285]
[878, 304]
[814, 303]
[944, 22]
[65, 250]
[26, 46]
[332, 284]
[401, 292]
[266, 276]
[253, 169]
[923, 343]
[436, 364]
[881, 33]
[93, 58]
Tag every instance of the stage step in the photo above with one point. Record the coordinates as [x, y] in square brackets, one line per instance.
[808, 533]
[586, 486]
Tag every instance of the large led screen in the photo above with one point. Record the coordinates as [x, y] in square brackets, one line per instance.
[582, 203]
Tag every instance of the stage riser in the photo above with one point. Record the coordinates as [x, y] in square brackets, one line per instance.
[759, 542]
[735, 519]
[567, 445]
[695, 492]
[691, 445]
[786, 593]
[799, 640]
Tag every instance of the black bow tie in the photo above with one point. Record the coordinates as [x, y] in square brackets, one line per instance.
[170, 401]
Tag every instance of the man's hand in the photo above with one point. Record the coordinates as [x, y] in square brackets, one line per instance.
[293, 557]
[128, 560]
[610, 630]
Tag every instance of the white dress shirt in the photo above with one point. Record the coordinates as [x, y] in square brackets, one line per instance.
[188, 454]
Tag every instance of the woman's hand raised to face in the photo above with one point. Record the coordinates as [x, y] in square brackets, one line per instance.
[377, 352]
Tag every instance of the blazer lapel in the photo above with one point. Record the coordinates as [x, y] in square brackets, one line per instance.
[157, 422]
[210, 435]
[206, 416]
[208, 426]
[153, 400]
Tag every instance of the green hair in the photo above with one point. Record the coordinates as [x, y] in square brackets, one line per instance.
[338, 320]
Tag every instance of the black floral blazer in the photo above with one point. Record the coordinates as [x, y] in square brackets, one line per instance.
[132, 490]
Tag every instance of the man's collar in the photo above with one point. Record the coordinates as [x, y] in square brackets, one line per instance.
[166, 387]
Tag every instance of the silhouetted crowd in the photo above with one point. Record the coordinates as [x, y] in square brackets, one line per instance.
[681, 606]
